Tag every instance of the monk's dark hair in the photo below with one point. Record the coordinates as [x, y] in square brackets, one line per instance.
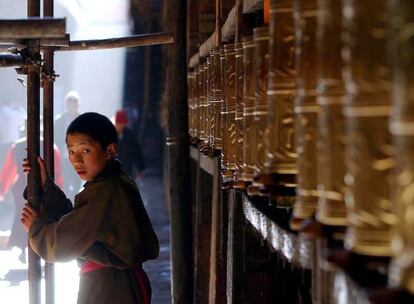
[95, 125]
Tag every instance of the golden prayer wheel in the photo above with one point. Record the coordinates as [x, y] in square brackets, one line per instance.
[261, 69]
[223, 112]
[239, 122]
[209, 107]
[202, 104]
[229, 96]
[369, 155]
[401, 274]
[306, 110]
[330, 97]
[190, 103]
[216, 98]
[196, 104]
[248, 104]
[280, 165]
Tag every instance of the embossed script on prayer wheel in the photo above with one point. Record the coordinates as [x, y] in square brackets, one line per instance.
[369, 155]
[209, 105]
[260, 77]
[230, 107]
[248, 102]
[330, 97]
[238, 182]
[225, 172]
[202, 104]
[306, 109]
[196, 103]
[401, 272]
[216, 98]
[190, 77]
[280, 164]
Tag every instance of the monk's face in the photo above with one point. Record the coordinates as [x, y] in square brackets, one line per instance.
[87, 156]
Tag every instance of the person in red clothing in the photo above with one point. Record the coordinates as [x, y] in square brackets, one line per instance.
[12, 179]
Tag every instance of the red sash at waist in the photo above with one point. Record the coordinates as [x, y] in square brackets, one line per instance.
[140, 277]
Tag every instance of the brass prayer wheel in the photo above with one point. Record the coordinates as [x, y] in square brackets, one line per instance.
[209, 107]
[306, 110]
[369, 155]
[216, 98]
[196, 104]
[260, 113]
[230, 108]
[280, 165]
[248, 105]
[225, 172]
[238, 182]
[190, 104]
[401, 274]
[202, 104]
[330, 97]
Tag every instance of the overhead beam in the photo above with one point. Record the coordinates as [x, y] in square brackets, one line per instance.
[32, 28]
[130, 41]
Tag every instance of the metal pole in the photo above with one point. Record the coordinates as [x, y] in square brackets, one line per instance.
[48, 139]
[130, 41]
[33, 197]
[11, 60]
[32, 28]
[178, 154]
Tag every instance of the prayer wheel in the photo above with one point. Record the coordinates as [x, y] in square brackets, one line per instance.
[260, 113]
[209, 123]
[202, 104]
[330, 98]
[369, 154]
[196, 105]
[230, 108]
[280, 164]
[216, 98]
[306, 110]
[238, 182]
[401, 274]
[190, 104]
[248, 104]
[224, 170]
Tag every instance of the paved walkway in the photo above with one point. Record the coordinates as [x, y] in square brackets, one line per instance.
[159, 270]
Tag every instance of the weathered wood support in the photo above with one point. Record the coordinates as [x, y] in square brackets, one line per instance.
[131, 41]
[32, 28]
[177, 143]
[11, 60]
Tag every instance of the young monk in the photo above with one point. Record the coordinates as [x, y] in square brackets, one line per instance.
[107, 229]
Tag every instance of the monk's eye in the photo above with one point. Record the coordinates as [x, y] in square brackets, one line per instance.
[85, 151]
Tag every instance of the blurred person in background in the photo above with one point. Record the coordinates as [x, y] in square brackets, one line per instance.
[129, 149]
[71, 182]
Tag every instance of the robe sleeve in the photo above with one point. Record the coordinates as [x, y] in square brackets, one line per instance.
[76, 231]
[55, 204]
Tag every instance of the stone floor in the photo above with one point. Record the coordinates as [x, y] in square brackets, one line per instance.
[13, 273]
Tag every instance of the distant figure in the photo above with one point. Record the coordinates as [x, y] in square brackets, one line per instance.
[12, 179]
[71, 183]
[129, 150]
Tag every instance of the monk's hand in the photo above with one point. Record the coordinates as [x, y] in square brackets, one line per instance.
[29, 214]
[43, 171]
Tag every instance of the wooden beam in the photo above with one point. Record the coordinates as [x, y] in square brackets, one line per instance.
[130, 41]
[32, 28]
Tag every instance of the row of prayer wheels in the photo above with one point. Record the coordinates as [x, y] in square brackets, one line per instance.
[317, 109]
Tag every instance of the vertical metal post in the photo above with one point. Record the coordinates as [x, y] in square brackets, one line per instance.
[48, 139]
[33, 145]
[178, 153]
